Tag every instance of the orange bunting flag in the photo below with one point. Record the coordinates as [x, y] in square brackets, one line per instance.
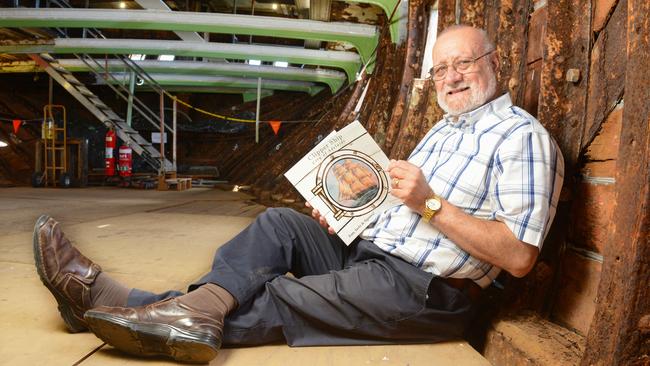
[275, 125]
[17, 124]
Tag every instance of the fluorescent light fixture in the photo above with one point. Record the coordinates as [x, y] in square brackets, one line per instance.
[122, 5]
[3, 144]
[166, 57]
[254, 62]
[280, 64]
[274, 6]
[137, 57]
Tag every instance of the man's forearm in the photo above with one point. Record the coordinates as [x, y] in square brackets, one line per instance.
[490, 241]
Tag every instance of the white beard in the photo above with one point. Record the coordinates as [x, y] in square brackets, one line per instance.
[476, 98]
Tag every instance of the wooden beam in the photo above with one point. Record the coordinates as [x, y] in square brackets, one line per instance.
[620, 331]
[446, 14]
[511, 41]
[606, 73]
[399, 129]
[562, 103]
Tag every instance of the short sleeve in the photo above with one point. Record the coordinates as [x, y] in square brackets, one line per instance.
[529, 171]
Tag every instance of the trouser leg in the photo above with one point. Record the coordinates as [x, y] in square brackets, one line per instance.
[339, 295]
[375, 299]
[280, 240]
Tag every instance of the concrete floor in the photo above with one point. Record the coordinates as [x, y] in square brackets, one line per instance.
[154, 241]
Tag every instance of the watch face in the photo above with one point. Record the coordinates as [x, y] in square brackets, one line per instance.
[433, 204]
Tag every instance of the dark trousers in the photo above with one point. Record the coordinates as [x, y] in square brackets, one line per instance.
[335, 295]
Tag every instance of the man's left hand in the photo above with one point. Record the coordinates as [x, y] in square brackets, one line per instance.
[408, 184]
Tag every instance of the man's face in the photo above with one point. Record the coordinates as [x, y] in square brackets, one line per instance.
[460, 93]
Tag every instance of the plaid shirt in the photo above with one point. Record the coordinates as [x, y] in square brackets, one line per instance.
[495, 163]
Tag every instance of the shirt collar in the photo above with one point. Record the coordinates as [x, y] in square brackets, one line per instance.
[468, 120]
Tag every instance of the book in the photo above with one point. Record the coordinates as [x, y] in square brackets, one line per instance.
[344, 177]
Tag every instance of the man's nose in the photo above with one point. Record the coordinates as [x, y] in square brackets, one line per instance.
[453, 75]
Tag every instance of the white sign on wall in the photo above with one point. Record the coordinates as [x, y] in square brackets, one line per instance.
[155, 138]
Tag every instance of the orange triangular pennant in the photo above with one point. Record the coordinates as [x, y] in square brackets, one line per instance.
[275, 125]
[17, 124]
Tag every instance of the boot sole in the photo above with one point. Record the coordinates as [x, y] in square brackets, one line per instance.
[74, 324]
[150, 339]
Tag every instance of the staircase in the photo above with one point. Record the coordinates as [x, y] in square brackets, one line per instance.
[150, 154]
[104, 113]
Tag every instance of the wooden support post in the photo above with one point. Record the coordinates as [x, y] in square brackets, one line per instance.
[257, 111]
[129, 104]
[620, 330]
[174, 135]
[162, 134]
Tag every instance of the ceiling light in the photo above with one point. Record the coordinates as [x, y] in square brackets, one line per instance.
[137, 57]
[280, 64]
[3, 144]
[122, 5]
[274, 6]
[254, 62]
[166, 57]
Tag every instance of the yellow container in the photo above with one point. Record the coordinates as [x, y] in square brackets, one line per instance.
[47, 130]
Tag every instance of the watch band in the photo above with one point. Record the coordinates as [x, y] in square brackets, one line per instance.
[428, 213]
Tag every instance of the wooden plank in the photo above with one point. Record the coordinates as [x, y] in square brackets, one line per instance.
[606, 73]
[531, 87]
[472, 12]
[562, 104]
[418, 121]
[576, 305]
[446, 14]
[511, 47]
[619, 333]
[528, 340]
[603, 9]
[591, 214]
[491, 24]
[602, 153]
[399, 127]
[376, 112]
[536, 31]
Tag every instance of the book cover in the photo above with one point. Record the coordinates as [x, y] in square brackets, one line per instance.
[344, 177]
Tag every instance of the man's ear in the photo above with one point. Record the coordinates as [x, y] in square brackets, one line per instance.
[494, 61]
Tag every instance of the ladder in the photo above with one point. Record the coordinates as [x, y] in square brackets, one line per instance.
[54, 146]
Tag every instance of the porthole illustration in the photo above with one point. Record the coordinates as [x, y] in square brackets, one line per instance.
[351, 183]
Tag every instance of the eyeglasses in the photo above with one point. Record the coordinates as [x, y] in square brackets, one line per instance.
[461, 66]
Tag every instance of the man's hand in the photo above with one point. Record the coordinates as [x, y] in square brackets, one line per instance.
[408, 184]
[320, 219]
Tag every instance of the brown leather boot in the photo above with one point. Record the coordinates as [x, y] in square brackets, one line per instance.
[165, 328]
[64, 271]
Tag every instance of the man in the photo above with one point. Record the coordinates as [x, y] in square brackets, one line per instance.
[479, 194]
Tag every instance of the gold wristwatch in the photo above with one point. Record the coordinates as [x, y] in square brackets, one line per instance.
[431, 207]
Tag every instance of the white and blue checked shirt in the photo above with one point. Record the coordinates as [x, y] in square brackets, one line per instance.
[496, 162]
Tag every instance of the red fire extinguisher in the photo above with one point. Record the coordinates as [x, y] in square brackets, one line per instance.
[111, 142]
[126, 161]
